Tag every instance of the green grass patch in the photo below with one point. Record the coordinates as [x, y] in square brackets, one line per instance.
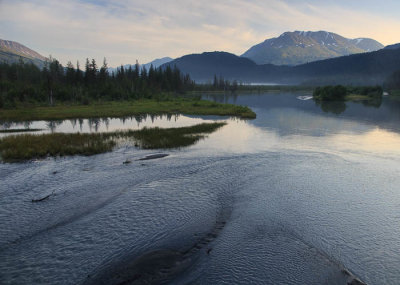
[153, 138]
[125, 109]
[356, 97]
[29, 146]
[395, 93]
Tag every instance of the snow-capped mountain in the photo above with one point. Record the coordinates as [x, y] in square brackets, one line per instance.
[293, 48]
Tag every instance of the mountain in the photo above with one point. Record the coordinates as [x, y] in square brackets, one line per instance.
[372, 68]
[203, 67]
[366, 44]
[11, 52]
[395, 46]
[293, 48]
[156, 63]
[360, 69]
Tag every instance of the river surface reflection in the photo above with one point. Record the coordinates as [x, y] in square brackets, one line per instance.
[293, 197]
[102, 124]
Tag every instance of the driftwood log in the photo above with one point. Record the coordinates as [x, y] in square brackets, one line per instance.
[42, 199]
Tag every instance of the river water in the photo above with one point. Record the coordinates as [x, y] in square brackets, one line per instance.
[300, 195]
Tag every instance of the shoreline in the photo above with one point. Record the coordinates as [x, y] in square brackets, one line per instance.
[118, 109]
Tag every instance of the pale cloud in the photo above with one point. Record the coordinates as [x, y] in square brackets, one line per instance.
[126, 30]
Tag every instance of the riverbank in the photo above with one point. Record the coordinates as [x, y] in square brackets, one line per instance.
[126, 108]
[395, 93]
[17, 148]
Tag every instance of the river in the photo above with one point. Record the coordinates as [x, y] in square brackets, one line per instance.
[304, 194]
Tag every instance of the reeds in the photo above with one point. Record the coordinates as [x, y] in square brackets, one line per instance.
[29, 146]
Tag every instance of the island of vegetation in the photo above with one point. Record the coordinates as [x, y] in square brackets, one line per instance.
[342, 93]
[332, 99]
[16, 148]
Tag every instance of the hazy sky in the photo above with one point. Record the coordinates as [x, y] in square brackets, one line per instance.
[126, 30]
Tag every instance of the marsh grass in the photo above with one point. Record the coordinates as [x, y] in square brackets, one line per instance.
[29, 146]
[126, 108]
[152, 138]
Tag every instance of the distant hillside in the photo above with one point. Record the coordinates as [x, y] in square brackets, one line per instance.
[395, 46]
[155, 63]
[11, 52]
[293, 48]
[358, 69]
[203, 67]
[367, 68]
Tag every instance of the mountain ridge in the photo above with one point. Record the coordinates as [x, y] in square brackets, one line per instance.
[299, 47]
[11, 51]
[156, 63]
[359, 69]
[394, 46]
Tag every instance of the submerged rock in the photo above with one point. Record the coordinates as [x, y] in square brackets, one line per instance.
[356, 281]
[154, 156]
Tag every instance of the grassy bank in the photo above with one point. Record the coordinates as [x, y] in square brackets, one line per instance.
[356, 97]
[27, 146]
[395, 93]
[126, 108]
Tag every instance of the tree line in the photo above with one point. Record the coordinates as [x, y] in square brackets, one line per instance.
[26, 83]
[219, 83]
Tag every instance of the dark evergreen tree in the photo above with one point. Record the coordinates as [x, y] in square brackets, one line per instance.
[70, 73]
[21, 81]
[103, 73]
[78, 74]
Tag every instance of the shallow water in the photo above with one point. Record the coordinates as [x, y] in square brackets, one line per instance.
[292, 197]
[100, 124]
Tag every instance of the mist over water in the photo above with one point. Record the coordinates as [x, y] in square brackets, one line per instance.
[292, 197]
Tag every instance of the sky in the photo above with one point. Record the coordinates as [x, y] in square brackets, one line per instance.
[124, 31]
